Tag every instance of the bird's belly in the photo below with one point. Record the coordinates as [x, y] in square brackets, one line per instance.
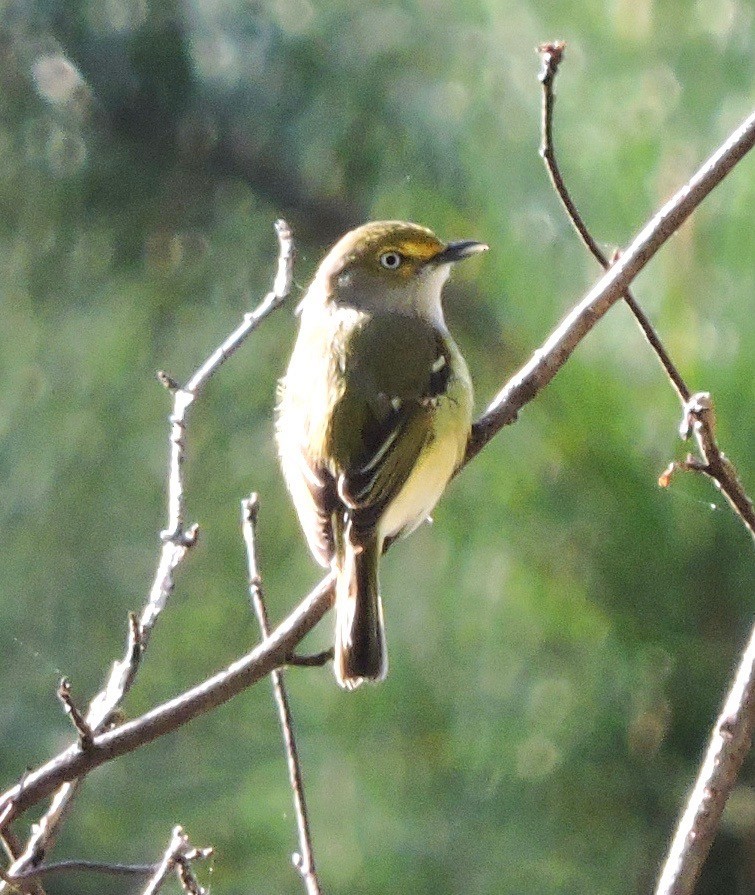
[423, 488]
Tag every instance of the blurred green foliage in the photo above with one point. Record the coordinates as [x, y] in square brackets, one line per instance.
[561, 637]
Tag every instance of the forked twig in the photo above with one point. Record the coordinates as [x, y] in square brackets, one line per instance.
[304, 860]
[699, 418]
[177, 859]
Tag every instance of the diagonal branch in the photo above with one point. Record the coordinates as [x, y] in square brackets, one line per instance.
[75, 762]
[698, 409]
[718, 773]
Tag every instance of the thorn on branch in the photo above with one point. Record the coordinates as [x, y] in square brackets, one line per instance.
[85, 732]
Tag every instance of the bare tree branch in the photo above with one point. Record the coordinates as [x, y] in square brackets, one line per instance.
[177, 540]
[315, 660]
[75, 866]
[699, 420]
[184, 397]
[304, 861]
[732, 735]
[698, 411]
[271, 653]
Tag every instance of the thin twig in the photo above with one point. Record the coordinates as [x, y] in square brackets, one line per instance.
[74, 866]
[503, 410]
[732, 735]
[77, 719]
[551, 55]
[699, 420]
[698, 411]
[185, 397]
[176, 541]
[304, 861]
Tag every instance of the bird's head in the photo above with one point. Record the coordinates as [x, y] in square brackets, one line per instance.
[389, 266]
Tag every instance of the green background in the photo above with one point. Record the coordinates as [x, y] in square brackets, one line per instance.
[561, 637]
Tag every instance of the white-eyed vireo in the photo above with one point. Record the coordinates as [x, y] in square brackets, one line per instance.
[374, 415]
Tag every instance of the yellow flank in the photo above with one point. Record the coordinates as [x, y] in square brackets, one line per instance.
[438, 459]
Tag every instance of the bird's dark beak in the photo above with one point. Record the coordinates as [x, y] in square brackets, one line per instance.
[457, 251]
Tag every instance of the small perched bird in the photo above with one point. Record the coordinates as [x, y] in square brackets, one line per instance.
[373, 417]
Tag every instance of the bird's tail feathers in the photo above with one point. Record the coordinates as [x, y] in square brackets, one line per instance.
[360, 651]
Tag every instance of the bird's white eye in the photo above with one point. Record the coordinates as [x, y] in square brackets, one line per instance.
[391, 260]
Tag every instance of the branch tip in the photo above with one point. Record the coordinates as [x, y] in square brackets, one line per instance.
[250, 507]
[664, 479]
[167, 381]
[285, 234]
[551, 54]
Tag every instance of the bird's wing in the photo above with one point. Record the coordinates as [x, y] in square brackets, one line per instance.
[395, 369]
